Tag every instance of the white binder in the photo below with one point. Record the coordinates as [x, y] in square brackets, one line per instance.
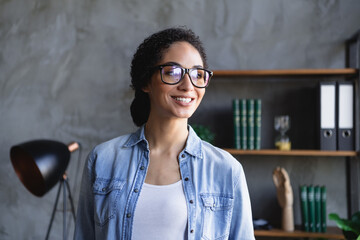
[345, 119]
[327, 116]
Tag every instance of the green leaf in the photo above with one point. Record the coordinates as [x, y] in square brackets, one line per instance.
[356, 217]
[334, 216]
[346, 225]
[204, 132]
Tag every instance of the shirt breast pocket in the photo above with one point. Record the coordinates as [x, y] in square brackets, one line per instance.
[217, 212]
[106, 194]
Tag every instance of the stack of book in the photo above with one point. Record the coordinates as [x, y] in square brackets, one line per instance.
[313, 208]
[247, 123]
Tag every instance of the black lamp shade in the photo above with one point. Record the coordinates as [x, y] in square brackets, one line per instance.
[40, 164]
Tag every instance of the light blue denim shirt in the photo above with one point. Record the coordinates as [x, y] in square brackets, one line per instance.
[214, 184]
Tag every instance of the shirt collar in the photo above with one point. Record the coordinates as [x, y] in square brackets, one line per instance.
[137, 137]
[193, 142]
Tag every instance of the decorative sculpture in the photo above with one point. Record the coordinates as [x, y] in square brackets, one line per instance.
[285, 197]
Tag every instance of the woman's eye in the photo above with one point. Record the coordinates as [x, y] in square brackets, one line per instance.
[172, 71]
[169, 73]
[198, 74]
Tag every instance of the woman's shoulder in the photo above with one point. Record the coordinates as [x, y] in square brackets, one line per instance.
[216, 154]
[111, 154]
[208, 148]
[109, 159]
[112, 144]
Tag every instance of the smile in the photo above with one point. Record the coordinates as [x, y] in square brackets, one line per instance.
[183, 99]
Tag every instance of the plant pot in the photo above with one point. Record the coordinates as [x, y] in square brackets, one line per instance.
[349, 235]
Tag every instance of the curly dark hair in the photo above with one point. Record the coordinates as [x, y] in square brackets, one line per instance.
[146, 57]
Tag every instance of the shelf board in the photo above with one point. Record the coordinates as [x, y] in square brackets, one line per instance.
[298, 234]
[286, 72]
[276, 152]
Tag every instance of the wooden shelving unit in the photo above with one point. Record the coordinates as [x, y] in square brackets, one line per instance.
[277, 233]
[352, 158]
[274, 152]
[286, 72]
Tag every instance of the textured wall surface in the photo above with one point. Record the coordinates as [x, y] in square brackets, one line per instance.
[64, 75]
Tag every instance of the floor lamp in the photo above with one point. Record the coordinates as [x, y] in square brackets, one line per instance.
[40, 164]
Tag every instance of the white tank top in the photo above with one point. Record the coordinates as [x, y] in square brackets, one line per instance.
[160, 213]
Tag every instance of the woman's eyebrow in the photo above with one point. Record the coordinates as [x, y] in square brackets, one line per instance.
[197, 66]
[172, 64]
[178, 64]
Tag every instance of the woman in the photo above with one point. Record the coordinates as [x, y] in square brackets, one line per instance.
[163, 182]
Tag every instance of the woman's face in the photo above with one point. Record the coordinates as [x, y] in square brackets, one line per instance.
[180, 100]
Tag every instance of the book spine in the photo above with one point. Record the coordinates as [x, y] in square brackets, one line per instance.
[236, 119]
[257, 126]
[304, 208]
[311, 204]
[250, 124]
[323, 208]
[317, 193]
[243, 124]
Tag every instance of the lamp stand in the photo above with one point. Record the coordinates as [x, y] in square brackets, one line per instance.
[65, 185]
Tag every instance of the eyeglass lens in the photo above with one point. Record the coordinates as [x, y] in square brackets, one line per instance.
[174, 74]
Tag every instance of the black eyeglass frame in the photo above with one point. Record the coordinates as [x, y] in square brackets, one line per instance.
[184, 71]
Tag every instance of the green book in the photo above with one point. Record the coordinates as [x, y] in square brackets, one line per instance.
[304, 208]
[317, 195]
[257, 126]
[250, 123]
[243, 124]
[311, 205]
[323, 208]
[236, 118]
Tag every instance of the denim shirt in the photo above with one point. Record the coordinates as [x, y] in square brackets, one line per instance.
[214, 184]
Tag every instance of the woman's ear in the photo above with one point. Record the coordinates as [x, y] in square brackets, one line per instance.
[145, 89]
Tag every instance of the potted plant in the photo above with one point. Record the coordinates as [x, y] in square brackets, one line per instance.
[204, 132]
[350, 228]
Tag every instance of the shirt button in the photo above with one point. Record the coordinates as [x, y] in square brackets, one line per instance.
[182, 155]
[104, 189]
[128, 215]
[192, 230]
[191, 201]
[136, 190]
[142, 168]
[186, 179]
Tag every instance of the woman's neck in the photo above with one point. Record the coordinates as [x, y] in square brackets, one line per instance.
[168, 135]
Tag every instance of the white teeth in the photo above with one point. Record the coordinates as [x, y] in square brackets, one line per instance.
[185, 100]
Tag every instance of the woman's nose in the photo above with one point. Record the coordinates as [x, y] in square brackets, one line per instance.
[186, 83]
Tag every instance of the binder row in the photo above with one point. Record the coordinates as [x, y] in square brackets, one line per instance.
[337, 116]
[313, 208]
[247, 123]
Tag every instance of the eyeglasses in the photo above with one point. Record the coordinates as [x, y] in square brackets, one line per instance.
[173, 74]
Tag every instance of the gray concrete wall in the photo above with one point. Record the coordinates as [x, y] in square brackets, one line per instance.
[64, 75]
